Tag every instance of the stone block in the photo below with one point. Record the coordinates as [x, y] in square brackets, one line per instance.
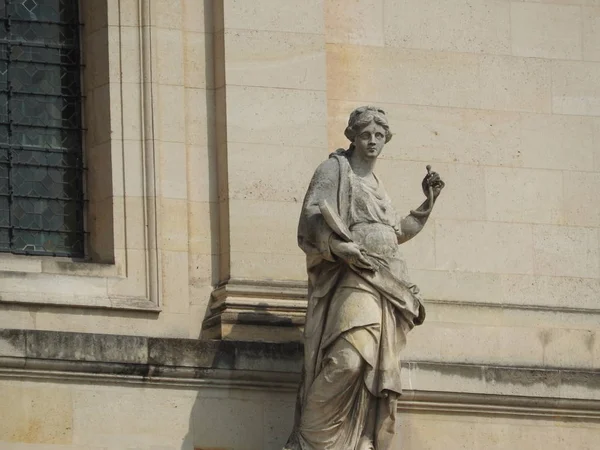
[198, 59]
[569, 348]
[172, 325]
[235, 424]
[105, 123]
[75, 320]
[99, 183]
[546, 30]
[468, 26]
[198, 15]
[255, 171]
[48, 284]
[468, 343]
[132, 111]
[18, 263]
[466, 200]
[167, 14]
[576, 88]
[173, 218]
[556, 142]
[484, 247]
[191, 353]
[566, 251]
[275, 265]
[275, 59]
[134, 183]
[169, 55]
[12, 343]
[434, 431]
[264, 227]
[419, 252]
[15, 317]
[117, 417]
[36, 414]
[87, 347]
[174, 281]
[127, 11]
[550, 291]
[581, 190]
[97, 67]
[130, 48]
[172, 170]
[135, 222]
[201, 173]
[199, 116]
[135, 284]
[459, 286]
[417, 76]
[170, 113]
[95, 15]
[591, 33]
[363, 24]
[524, 195]
[285, 116]
[304, 17]
[203, 237]
[596, 126]
[278, 421]
[515, 84]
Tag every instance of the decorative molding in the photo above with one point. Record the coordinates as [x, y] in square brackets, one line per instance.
[505, 405]
[126, 286]
[184, 363]
[149, 175]
[257, 310]
[243, 309]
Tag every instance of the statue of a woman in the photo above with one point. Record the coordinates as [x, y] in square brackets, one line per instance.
[360, 302]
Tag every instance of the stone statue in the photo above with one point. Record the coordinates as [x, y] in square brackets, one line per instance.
[360, 302]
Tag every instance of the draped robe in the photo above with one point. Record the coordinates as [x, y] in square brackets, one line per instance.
[351, 311]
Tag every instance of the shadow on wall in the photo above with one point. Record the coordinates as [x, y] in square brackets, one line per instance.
[260, 417]
[240, 420]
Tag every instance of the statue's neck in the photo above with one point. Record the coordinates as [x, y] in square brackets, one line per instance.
[361, 166]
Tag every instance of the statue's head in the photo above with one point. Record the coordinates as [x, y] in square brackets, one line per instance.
[363, 116]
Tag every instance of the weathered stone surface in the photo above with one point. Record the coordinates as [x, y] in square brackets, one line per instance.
[87, 347]
[12, 343]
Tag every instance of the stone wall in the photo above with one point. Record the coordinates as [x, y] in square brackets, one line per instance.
[92, 391]
[205, 120]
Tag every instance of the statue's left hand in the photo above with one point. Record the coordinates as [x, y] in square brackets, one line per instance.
[432, 179]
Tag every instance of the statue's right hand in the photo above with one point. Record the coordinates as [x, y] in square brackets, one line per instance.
[351, 253]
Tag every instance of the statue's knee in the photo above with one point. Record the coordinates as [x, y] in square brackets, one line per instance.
[346, 363]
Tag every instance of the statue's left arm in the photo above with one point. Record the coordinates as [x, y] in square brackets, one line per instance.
[412, 224]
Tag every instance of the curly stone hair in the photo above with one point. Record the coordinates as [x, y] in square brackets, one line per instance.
[363, 116]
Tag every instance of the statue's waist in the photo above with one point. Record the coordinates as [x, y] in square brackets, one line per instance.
[377, 238]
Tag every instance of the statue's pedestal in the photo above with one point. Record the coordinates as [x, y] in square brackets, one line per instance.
[265, 311]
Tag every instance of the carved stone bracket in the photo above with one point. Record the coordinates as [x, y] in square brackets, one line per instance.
[251, 310]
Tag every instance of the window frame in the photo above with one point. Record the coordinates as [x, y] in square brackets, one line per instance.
[121, 267]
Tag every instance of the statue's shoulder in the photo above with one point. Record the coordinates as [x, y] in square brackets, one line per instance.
[339, 154]
[331, 166]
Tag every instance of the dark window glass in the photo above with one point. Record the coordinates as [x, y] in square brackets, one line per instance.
[41, 164]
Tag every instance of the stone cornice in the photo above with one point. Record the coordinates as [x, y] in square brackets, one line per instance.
[429, 386]
[274, 311]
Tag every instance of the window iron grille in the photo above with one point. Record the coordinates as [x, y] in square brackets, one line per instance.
[41, 157]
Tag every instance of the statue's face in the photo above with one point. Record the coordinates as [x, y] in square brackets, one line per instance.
[370, 141]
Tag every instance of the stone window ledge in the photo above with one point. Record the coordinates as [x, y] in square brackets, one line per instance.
[57, 265]
[435, 387]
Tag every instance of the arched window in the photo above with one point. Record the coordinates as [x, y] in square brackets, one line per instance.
[41, 159]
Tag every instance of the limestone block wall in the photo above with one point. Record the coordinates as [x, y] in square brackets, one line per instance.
[206, 119]
[501, 97]
[151, 185]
